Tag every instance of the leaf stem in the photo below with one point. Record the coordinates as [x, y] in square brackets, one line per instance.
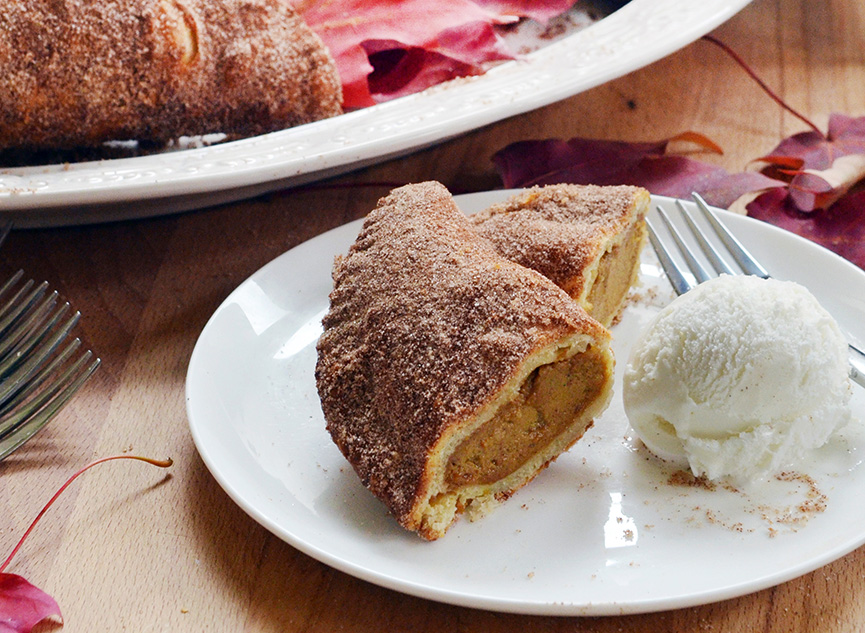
[161, 463]
[735, 56]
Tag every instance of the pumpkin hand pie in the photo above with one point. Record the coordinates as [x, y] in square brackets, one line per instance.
[449, 375]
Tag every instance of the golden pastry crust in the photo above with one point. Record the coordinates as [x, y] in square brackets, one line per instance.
[566, 231]
[429, 333]
[77, 73]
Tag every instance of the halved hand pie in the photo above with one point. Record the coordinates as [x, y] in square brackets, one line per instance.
[450, 376]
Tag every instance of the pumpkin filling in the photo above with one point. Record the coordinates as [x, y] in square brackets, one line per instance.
[615, 275]
[551, 399]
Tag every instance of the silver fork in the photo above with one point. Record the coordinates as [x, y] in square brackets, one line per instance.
[39, 369]
[694, 272]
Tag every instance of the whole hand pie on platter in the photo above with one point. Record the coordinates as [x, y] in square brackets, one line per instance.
[78, 73]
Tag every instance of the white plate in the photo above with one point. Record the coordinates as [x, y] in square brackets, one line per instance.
[602, 531]
[640, 33]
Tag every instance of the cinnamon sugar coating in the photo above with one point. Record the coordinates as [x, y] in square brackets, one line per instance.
[427, 323]
[77, 73]
[562, 230]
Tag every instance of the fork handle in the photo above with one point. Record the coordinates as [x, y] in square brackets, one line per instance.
[857, 365]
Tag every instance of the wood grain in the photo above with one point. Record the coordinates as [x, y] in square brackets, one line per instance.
[131, 547]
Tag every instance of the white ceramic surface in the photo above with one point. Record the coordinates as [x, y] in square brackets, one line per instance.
[641, 32]
[601, 531]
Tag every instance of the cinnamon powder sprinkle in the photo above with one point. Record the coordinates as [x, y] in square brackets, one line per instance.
[790, 516]
[687, 478]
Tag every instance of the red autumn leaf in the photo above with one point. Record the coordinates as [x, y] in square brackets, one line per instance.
[399, 70]
[679, 177]
[22, 605]
[810, 161]
[588, 161]
[840, 228]
[809, 192]
[812, 150]
[578, 160]
[459, 30]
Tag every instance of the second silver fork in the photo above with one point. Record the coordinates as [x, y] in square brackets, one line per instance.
[40, 370]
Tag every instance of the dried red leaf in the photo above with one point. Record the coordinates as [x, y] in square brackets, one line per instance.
[399, 70]
[810, 162]
[578, 160]
[390, 48]
[840, 228]
[700, 140]
[590, 161]
[812, 150]
[808, 192]
[459, 30]
[22, 605]
[679, 177]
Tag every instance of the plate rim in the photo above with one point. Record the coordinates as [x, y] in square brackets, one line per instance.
[54, 195]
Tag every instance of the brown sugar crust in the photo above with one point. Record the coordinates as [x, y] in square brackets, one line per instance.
[564, 231]
[427, 325]
[77, 73]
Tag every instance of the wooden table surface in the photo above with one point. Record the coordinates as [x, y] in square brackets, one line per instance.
[132, 548]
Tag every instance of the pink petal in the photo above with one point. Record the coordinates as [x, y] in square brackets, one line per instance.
[22, 605]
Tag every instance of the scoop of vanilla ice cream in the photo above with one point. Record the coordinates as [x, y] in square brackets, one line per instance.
[739, 377]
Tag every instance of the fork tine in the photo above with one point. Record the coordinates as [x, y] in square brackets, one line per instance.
[18, 331]
[694, 265]
[39, 411]
[37, 350]
[39, 373]
[4, 231]
[711, 253]
[34, 383]
[22, 414]
[857, 365]
[36, 380]
[674, 274]
[18, 303]
[14, 279]
[749, 265]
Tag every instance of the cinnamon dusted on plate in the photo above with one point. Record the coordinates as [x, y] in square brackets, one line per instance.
[77, 73]
[450, 376]
[586, 239]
